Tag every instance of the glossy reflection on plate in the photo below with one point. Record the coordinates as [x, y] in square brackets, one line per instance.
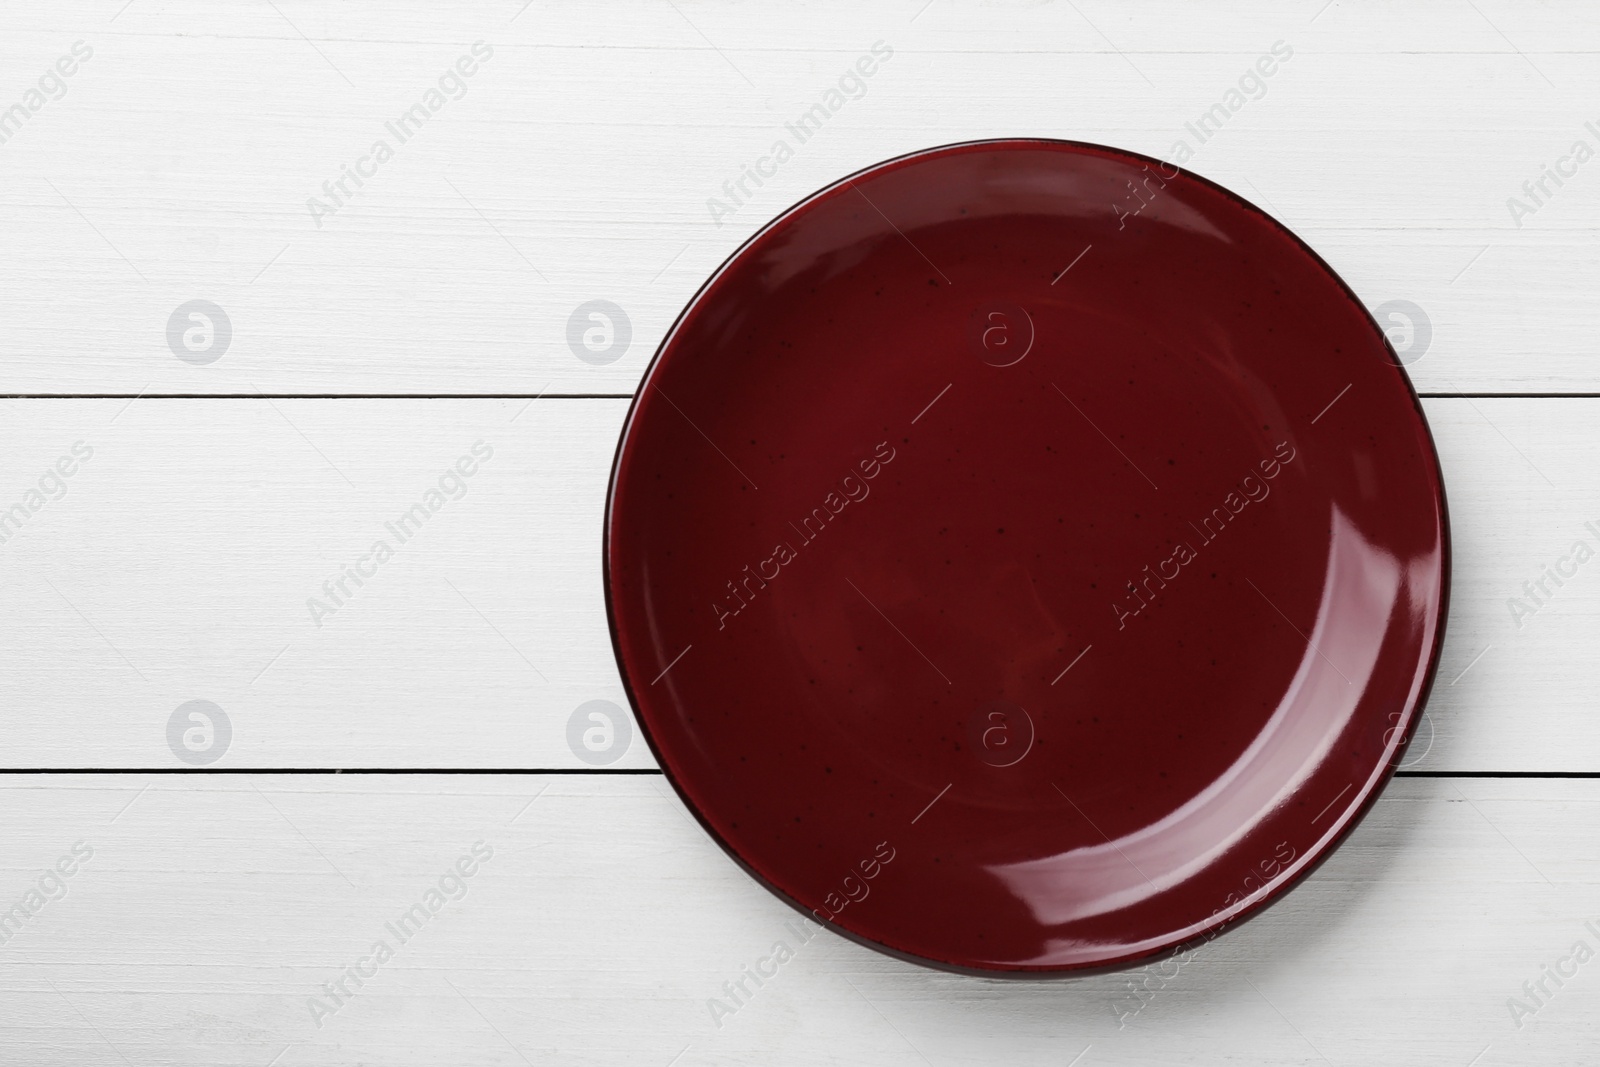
[1024, 556]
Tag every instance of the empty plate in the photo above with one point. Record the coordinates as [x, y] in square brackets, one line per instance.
[1023, 556]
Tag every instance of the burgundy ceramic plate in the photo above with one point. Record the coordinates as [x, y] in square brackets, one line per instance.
[1026, 557]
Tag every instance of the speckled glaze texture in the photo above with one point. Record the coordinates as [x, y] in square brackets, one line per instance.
[1026, 557]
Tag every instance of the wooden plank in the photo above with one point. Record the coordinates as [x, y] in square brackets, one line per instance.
[579, 163]
[212, 911]
[180, 563]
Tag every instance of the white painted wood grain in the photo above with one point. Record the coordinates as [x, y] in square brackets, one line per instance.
[579, 163]
[213, 909]
[180, 562]
[577, 167]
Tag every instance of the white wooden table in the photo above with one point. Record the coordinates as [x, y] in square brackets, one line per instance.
[217, 482]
